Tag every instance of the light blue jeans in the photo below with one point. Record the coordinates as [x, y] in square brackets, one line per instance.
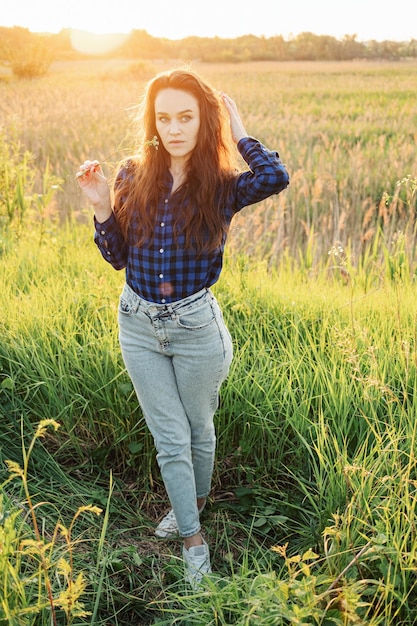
[177, 356]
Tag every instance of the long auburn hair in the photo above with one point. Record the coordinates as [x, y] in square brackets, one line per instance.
[210, 170]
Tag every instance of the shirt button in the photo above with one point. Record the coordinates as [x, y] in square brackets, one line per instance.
[162, 224]
[163, 300]
[102, 232]
[161, 250]
[161, 275]
[166, 200]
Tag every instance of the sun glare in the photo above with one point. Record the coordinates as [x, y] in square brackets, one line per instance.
[234, 18]
[95, 43]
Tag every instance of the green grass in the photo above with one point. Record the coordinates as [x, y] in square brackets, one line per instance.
[316, 445]
[311, 519]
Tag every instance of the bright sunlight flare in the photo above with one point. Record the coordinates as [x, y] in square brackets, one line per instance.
[373, 19]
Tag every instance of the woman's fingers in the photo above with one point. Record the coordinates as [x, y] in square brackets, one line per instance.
[87, 168]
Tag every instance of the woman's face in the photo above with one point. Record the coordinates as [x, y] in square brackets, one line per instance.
[177, 116]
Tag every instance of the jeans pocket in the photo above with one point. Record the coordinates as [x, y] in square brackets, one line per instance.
[125, 307]
[197, 318]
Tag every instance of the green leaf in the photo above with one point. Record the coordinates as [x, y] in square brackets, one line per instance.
[7, 383]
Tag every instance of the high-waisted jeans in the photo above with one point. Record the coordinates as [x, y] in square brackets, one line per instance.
[177, 356]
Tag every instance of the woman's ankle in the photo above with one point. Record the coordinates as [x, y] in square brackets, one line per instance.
[191, 542]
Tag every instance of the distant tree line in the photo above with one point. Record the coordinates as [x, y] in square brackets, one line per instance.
[303, 47]
[30, 54]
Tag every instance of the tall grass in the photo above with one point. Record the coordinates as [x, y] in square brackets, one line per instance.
[345, 130]
[311, 518]
[314, 492]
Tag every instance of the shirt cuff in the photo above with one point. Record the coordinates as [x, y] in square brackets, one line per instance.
[245, 142]
[105, 228]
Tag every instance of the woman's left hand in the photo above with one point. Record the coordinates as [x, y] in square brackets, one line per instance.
[236, 124]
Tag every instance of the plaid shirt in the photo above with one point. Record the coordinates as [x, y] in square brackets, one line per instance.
[164, 270]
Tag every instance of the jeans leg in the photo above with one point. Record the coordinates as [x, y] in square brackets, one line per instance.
[199, 377]
[153, 378]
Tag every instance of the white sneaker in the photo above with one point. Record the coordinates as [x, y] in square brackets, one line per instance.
[168, 527]
[197, 564]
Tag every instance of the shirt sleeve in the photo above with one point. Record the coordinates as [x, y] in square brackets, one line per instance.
[111, 243]
[267, 174]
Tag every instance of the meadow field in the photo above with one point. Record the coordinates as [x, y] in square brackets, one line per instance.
[312, 516]
[346, 131]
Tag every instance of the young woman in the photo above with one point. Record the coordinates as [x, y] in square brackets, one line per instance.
[166, 224]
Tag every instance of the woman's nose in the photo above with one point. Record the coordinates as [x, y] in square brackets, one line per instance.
[174, 128]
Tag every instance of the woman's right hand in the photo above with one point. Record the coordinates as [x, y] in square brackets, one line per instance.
[94, 185]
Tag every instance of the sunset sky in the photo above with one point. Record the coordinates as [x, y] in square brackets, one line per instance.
[175, 19]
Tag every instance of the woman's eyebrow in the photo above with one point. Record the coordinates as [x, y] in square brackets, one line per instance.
[178, 112]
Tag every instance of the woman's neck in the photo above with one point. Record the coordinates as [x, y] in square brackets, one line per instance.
[177, 170]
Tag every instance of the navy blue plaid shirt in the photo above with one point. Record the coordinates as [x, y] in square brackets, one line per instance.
[165, 270]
